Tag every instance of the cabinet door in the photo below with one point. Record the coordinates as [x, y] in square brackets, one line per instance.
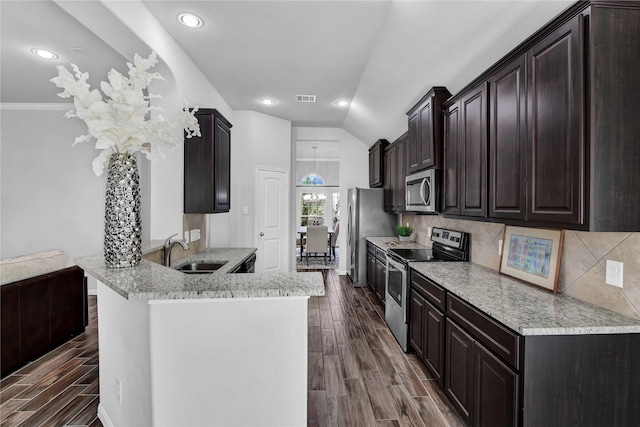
[496, 391]
[556, 151]
[473, 160]
[34, 317]
[401, 172]
[389, 178]
[371, 270]
[199, 168]
[426, 149]
[413, 144]
[375, 173]
[451, 199]
[507, 142]
[416, 321]
[433, 340]
[381, 278]
[459, 378]
[67, 302]
[9, 328]
[222, 167]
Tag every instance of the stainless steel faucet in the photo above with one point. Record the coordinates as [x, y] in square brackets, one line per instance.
[168, 246]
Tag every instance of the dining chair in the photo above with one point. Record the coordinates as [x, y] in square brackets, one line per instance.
[317, 241]
[332, 241]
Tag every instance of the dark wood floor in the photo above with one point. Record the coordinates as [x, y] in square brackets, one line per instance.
[358, 375]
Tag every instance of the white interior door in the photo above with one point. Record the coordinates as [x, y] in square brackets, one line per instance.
[273, 219]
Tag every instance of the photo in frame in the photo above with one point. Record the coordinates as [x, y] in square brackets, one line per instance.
[532, 255]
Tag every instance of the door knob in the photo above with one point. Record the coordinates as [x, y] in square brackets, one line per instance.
[261, 234]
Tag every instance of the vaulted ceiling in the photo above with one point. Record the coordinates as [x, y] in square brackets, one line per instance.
[382, 56]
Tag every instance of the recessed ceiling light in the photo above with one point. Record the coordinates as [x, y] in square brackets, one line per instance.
[267, 101]
[342, 103]
[42, 53]
[190, 20]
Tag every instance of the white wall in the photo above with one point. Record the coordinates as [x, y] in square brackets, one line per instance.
[257, 140]
[50, 197]
[354, 172]
[124, 356]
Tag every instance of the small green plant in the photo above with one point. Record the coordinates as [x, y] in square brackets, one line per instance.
[404, 230]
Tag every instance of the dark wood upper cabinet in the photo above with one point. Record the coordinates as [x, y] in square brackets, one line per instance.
[562, 127]
[401, 173]
[207, 165]
[556, 143]
[376, 163]
[508, 141]
[395, 167]
[424, 146]
[451, 198]
[614, 133]
[473, 152]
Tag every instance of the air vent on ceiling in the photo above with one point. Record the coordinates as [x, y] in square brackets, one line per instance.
[306, 98]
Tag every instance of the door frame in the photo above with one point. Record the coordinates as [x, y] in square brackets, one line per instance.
[285, 257]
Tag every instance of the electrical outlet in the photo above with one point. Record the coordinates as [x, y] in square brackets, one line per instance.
[614, 273]
[119, 390]
[428, 231]
[499, 247]
[186, 236]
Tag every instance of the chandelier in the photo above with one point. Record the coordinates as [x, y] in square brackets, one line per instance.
[314, 197]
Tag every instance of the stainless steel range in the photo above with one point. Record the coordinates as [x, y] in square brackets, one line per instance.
[448, 245]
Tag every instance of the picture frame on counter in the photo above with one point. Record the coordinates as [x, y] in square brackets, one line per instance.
[532, 255]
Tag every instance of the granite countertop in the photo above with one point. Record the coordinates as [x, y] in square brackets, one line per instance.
[151, 281]
[524, 308]
[385, 243]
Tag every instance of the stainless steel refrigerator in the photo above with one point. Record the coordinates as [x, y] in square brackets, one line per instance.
[367, 218]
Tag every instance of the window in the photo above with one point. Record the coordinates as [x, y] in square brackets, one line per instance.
[312, 179]
[312, 207]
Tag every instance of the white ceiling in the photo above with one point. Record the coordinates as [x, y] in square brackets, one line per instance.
[381, 55]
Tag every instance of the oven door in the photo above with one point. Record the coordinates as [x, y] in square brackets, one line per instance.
[396, 288]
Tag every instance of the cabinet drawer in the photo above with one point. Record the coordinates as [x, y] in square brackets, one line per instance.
[429, 290]
[371, 248]
[381, 255]
[500, 340]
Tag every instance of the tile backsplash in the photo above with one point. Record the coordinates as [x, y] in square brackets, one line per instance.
[582, 272]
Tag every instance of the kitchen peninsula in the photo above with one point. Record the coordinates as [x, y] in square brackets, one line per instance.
[202, 349]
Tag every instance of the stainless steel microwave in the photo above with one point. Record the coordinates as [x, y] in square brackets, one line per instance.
[422, 191]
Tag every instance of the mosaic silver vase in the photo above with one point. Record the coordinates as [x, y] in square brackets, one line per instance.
[122, 239]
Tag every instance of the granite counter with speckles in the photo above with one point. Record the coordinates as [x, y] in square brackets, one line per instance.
[385, 243]
[521, 307]
[151, 281]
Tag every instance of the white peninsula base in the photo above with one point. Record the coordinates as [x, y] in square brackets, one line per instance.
[202, 362]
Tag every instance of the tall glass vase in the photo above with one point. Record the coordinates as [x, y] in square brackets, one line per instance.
[122, 239]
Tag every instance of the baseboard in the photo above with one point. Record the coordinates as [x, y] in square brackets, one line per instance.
[342, 272]
[92, 292]
[103, 417]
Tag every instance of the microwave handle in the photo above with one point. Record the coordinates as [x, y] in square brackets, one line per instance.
[422, 187]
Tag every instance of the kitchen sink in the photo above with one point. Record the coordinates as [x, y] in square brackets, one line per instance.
[200, 267]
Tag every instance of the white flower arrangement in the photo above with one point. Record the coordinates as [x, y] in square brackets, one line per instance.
[123, 123]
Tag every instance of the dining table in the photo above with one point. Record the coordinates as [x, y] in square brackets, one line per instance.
[302, 231]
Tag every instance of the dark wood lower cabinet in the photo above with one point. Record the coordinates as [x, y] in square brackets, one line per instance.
[481, 387]
[495, 391]
[459, 372]
[426, 334]
[40, 313]
[377, 270]
[381, 278]
[10, 327]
